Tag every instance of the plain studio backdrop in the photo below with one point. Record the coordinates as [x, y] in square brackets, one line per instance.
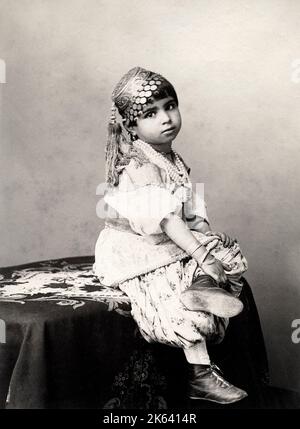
[234, 65]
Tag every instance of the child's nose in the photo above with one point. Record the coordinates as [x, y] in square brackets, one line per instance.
[165, 117]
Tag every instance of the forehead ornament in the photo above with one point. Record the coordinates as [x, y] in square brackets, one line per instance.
[135, 90]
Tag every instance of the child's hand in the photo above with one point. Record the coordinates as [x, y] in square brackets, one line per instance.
[214, 268]
[226, 240]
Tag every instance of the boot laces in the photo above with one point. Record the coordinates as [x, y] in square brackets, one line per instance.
[215, 370]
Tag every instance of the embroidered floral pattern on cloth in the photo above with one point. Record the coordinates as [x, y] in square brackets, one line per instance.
[60, 281]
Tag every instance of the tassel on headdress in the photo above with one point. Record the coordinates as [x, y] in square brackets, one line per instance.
[113, 148]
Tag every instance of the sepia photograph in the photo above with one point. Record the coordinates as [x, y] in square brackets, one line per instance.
[149, 216]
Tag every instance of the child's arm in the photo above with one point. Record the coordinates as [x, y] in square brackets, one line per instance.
[178, 231]
[200, 224]
[197, 223]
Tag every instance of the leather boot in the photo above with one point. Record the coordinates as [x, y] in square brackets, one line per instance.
[206, 295]
[206, 383]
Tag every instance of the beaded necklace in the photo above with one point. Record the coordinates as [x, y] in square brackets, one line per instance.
[176, 172]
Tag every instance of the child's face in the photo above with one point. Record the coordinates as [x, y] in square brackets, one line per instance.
[160, 122]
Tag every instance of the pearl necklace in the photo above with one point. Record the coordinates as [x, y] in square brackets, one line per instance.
[177, 173]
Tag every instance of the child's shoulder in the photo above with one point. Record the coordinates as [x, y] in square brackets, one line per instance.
[141, 170]
[138, 158]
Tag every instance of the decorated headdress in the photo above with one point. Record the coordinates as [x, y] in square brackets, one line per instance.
[136, 89]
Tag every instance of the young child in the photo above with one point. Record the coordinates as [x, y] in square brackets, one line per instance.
[183, 280]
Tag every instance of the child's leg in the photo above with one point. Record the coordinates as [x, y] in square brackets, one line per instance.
[197, 354]
[205, 380]
[161, 317]
[206, 295]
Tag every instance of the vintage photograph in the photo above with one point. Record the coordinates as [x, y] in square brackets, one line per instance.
[150, 195]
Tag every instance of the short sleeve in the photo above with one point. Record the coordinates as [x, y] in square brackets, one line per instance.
[145, 207]
[143, 199]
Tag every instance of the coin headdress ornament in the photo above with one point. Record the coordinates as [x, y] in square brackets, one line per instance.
[136, 89]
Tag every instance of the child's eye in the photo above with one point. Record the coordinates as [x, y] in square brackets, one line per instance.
[172, 106]
[149, 115]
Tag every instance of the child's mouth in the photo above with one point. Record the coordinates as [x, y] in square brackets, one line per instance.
[168, 130]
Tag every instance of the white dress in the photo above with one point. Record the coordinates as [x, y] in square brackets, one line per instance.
[134, 254]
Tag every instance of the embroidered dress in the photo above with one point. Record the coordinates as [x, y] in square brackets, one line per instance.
[134, 254]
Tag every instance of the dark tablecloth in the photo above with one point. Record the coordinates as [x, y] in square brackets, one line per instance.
[71, 343]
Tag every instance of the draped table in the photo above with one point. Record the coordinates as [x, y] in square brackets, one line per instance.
[66, 341]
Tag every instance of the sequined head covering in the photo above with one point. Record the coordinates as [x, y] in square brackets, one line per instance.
[137, 88]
